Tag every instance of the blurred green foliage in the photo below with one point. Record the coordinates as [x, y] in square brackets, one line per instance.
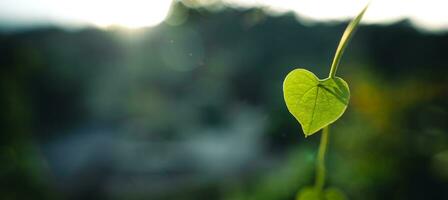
[310, 193]
[222, 69]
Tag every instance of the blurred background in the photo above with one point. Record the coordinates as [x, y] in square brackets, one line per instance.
[183, 100]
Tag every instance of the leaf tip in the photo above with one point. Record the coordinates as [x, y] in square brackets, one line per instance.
[307, 133]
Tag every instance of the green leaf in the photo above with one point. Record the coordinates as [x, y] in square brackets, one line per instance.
[315, 103]
[334, 194]
[310, 193]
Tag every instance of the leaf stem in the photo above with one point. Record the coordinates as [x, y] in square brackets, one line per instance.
[348, 33]
[320, 163]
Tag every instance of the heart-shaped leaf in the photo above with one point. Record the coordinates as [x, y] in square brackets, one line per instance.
[315, 103]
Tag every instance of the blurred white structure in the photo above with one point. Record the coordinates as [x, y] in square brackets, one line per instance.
[429, 15]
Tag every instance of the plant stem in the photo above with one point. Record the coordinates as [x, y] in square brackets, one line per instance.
[348, 34]
[335, 64]
[320, 162]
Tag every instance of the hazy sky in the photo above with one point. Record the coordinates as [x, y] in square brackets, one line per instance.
[428, 14]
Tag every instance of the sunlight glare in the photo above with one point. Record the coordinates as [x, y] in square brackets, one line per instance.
[102, 13]
[128, 13]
